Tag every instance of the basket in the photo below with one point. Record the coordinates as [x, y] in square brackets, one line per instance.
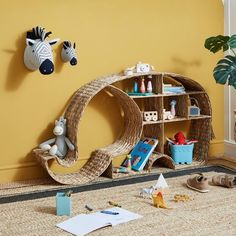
[182, 154]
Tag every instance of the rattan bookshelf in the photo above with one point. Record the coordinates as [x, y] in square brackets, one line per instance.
[100, 160]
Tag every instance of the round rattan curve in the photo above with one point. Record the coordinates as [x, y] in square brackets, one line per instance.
[100, 159]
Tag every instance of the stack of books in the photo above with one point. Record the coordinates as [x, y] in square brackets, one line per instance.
[169, 89]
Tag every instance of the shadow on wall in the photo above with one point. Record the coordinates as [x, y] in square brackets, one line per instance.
[16, 70]
[58, 63]
[182, 65]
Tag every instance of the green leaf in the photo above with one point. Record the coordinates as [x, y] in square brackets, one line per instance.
[232, 41]
[215, 44]
[225, 70]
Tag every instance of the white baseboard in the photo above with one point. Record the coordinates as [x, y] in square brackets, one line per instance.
[230, 148]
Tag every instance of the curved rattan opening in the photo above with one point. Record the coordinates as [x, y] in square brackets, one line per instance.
[100, 159]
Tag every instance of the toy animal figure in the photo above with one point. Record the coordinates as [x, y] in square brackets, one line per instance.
[38, 51]
[68, 53]
[147, 192]
[61, 142]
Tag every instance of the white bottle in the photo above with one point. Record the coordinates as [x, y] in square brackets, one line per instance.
[149, 86]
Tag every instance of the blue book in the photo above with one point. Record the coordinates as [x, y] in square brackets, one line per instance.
[141, 153]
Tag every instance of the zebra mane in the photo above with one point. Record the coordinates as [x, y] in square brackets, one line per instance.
[67, 44]
[38, 33]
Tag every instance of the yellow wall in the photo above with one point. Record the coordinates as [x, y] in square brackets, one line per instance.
[111, 35]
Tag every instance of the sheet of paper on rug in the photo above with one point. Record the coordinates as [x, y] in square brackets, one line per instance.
[85, 223]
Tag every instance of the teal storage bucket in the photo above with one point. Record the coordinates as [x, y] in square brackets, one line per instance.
[182, 154]
[63, 204]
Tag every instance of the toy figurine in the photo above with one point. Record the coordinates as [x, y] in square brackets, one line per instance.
[158, 201]
[135, 86]
[142, 87]
[149, 86]
[129, 166]
[172, 109]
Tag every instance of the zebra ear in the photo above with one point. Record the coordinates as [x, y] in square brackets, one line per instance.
[74, 46]
[30, 42]
[53, 41]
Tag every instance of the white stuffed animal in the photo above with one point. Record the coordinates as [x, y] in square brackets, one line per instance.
[60, 143]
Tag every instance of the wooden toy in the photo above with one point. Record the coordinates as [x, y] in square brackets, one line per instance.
[142, 87]
[149, 85]
[150, 115]
[167, 115]
[135, 86]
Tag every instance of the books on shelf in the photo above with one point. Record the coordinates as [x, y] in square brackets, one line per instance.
[84, 224]
[141, 153]
[169, 88]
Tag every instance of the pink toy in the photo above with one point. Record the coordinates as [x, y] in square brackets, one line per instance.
[142, 87]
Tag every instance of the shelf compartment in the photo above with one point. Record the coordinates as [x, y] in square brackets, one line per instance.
[181, 108]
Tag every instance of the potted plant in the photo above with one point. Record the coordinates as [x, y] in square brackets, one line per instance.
[225, 69]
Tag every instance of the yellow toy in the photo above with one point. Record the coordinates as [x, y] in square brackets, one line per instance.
[158, 200]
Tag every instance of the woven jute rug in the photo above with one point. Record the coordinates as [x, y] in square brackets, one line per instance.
[211, 213]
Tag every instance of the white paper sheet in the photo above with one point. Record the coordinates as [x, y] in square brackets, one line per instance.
[85, 223]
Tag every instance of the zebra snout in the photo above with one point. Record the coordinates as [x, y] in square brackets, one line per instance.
[73, 61]
[46, 67]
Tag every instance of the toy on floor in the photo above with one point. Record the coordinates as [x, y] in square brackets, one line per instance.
[61, 143]
[114, 204]
[68, 53]
[181, 198]
[147, 192]
[158, 200]
[63, 204]
[161, 185]
[38, 52]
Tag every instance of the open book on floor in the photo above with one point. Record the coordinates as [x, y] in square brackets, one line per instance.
[86, 223]
[141, 152]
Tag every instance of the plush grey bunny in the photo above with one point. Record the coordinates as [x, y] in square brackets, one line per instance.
[60, 143]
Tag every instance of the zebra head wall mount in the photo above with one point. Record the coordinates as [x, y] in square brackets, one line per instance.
[38, 52]
[68, 53]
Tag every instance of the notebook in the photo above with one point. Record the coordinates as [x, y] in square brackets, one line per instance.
[86, 223]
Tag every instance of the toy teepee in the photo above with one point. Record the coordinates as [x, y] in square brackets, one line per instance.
[161, 185]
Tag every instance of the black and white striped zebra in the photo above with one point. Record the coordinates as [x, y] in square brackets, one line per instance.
[68, 53]
[38, 52]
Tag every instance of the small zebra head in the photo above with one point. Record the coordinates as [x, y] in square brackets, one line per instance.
[68, 53]
[38, 51]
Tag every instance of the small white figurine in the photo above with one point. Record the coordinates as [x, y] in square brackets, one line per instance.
[172, 109]
[147, 192]
[149, 85]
